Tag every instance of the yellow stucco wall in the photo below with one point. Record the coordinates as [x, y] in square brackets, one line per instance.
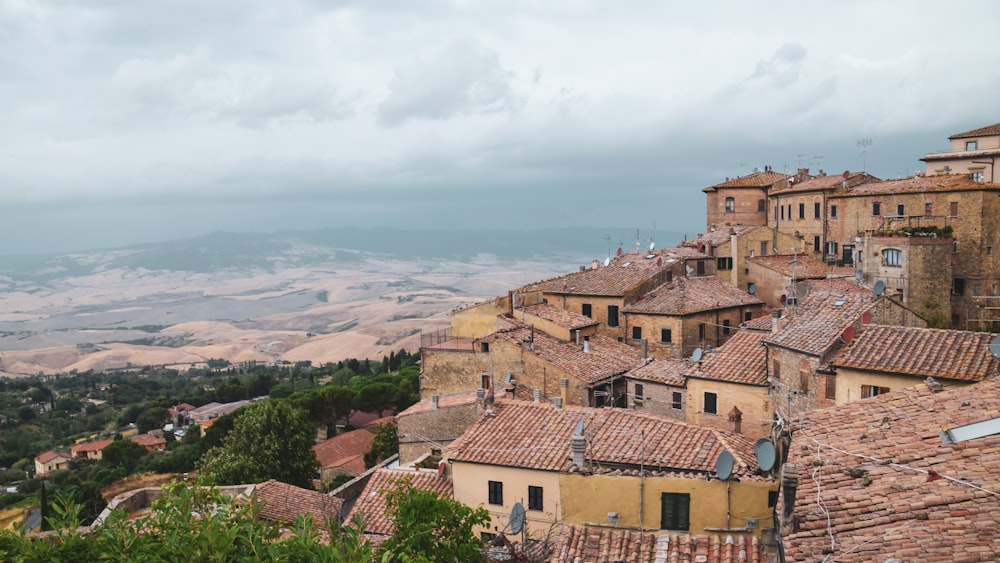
[849, 382]
[471, 488]
[589, 498]
[754, 402]
[479, 320]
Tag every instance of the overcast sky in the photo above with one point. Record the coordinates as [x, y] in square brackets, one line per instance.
[124, 121]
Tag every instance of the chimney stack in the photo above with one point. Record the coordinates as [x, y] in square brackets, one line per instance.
[559, 403]
[775, 321]
[643, 348]
[537, 395]
[586, 344]
[579, 446]
[563, 391]
[736, 419]
[434, 402]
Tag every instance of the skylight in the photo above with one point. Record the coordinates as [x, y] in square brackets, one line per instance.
[971, 431]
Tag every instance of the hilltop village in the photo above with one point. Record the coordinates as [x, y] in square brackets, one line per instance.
[813, 378]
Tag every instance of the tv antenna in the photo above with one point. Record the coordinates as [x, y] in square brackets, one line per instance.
[863, 145]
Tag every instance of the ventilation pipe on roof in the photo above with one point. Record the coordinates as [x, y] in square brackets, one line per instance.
[643, 348]
[578, 444]
[586, 344]
[536, 394]
[577, 337]
[559, 403]
[563, 390]
[775, 321]
[434, 402]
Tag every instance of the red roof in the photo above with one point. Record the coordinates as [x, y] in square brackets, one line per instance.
[742, 359]
[372, 506]
[284, 503]
[820, 183]
[623, 274]
[819, 320]
[686, 296]
[50, 455]
[921, 352]
[580, 543]
[558, 316]
[537, 436]
[916, 498]
[981, 132]
[345, 450]
[720, 236]
[763, 179]
[918, 184]
[148, 441]
[801, 266]
[95, 446]
[669, 371]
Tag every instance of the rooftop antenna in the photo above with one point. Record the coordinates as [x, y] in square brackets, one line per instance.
[607, 239]
[799, 158]
[863, 145]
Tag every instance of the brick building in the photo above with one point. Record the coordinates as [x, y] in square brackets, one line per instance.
[742, 200]
[732, 246]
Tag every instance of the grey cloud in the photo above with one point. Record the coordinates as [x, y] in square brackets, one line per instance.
[784, 67]
[463, 78]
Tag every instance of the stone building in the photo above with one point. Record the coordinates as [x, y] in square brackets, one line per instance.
[658, 387]
[732, 246]
[742, 200]
[973, 152]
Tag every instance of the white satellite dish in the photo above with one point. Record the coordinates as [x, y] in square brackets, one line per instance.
[579, 429]
[724, 465]
[607, 260]
[696, 355]
[652, 245]
[766, 454]
[752, 289]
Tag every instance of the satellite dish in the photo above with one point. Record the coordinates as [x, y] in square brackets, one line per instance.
[659, 261]
[847, 174]
[766, 454]
[701, 247]
[579, 429]
[652, 245]
[607, 260]
[866, 318]
[848, 334]
[619, 251]
[517, 518]
[752, 288]
[507, 379]
[858, 274]
[995, 347]
[783, 298]
[724, 466]
[696, 355]
[879, 288]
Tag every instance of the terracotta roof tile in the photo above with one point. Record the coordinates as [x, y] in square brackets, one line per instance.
[607, 356]
[891, 506]
[763, 323]
[669, 371]
[820, 183]
[742, 359]
[685, 296]
[801, 266]
[819, 320]
[982, 131]
[719, 236]
[345, 450]
[537, 436]
[922, 352]
[753, 180]
[601, 545]
[616, 279]
[96, 445]
[372, 506]
[50, 455]
[918, 184]
[560, 317]
[444, 402]
[283, 503]
[148, 441]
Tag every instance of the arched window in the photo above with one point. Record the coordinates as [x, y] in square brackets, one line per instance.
[730, 205]
[892, 257]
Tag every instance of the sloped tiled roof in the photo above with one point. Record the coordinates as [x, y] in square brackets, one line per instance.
[802, 266]
[148, 440]
[752, 180]
[685, 296]
[763, 323]
[921, 352]
[50, 455]
[719, 236]
[537, 436]
[669, 371]
[607, 356]
[372, 506]
[559, 316]
[616, 279]
[283, 503]
[982, 131]
[95, 446]
[820, 183]
[918, 184]
[892, 506]
[444, 402]
[742, 359]
[345, 450]
[602, 545]
[819, 320]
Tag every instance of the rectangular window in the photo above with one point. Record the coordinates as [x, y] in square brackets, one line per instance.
[612, 315]
[711, 406]
[782, 212]
[763, 248]
[953, 209]
[900, 210]
[748, 315]
[831, 387]
[928, 209]
[958, 286]
[833, 211]
[816, 243]
[677, 401]
[666, 335]
[872, 390]
[816, 210]
[876, 209]
[976, 176]
[776, 368]
[485, 381]
[534, 498]
[701, 267]
[831, 248]
[802, 211]
[638, 392]
[730, 205]
[496, 492]
[637, 333]
[675, 511]
[587, 310]
[761, 206]
[892, 257]
[971, 145]
[725, 263]
[725, 327]
[484, 347]
[789, 211]
[701, 331]
[804, 376]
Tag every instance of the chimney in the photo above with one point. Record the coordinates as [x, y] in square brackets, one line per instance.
[586, 344]
[563, 390]
[559, 403]
[775, 321]
[536, 394]
[736, 419]
[480, 400]
[583, 268]
[643, 348]
[434, 401]
[579, 446]
[595, 264]
[789, 486]
[577, 337]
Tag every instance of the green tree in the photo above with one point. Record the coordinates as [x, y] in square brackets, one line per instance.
[384, 445]
[376, 397]
[123, 454]
[428, 528]
[270, 440]
[153, 417]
